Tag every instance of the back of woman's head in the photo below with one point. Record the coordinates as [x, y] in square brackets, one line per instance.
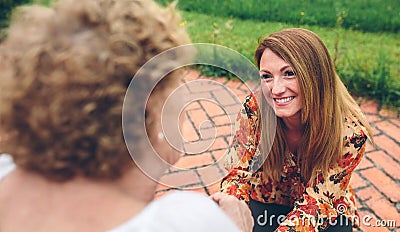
[64, 75]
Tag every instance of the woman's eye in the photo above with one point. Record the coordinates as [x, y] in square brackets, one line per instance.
[289, 73]
[265, 76]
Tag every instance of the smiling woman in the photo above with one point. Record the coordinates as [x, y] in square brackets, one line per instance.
[301, 170]
[280, 79]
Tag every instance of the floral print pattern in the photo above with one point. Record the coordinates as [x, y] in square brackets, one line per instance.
[314, 205]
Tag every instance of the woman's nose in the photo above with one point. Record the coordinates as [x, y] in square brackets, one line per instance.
[277, 86]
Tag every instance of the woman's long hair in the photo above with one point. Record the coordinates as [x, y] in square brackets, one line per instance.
[326, 103]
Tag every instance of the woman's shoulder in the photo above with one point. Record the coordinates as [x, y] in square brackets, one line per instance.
[250, 105]
[251, 100]
[354, 132]
[180, 211]
[353, 126]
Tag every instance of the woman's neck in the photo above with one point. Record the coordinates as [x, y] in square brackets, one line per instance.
[293, 124]
[138, 185]
[74, 199]
[293, 130]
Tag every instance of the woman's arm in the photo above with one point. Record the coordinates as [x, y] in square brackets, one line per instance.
[329, 197]
[241, 152]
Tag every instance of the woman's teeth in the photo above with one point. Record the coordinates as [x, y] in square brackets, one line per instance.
[284, 100]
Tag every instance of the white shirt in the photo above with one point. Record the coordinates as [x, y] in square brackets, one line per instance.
[175, 212]
[180, 212]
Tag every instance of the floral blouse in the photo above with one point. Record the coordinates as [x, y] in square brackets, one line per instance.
[314, 206]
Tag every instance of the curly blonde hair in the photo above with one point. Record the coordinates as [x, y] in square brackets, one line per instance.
[65, 71]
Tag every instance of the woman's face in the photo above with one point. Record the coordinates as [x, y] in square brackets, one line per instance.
[167, 119]
[279, 78]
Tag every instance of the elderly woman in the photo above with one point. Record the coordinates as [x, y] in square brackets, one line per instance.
[297, 141]
[64, 74]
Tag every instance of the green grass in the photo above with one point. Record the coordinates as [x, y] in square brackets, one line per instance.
[370, 15]
[367, 62]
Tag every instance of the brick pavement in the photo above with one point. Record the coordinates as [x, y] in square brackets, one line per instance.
[207, 131]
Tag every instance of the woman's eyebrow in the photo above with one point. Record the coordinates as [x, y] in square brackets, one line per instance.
[281, 70]
[264, 70]
[285, 67]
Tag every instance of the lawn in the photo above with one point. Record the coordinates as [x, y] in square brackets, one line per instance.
[367, 62]
[371, 15]
[363, 37]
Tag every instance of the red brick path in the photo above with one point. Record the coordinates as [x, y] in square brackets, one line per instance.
[208, 128]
